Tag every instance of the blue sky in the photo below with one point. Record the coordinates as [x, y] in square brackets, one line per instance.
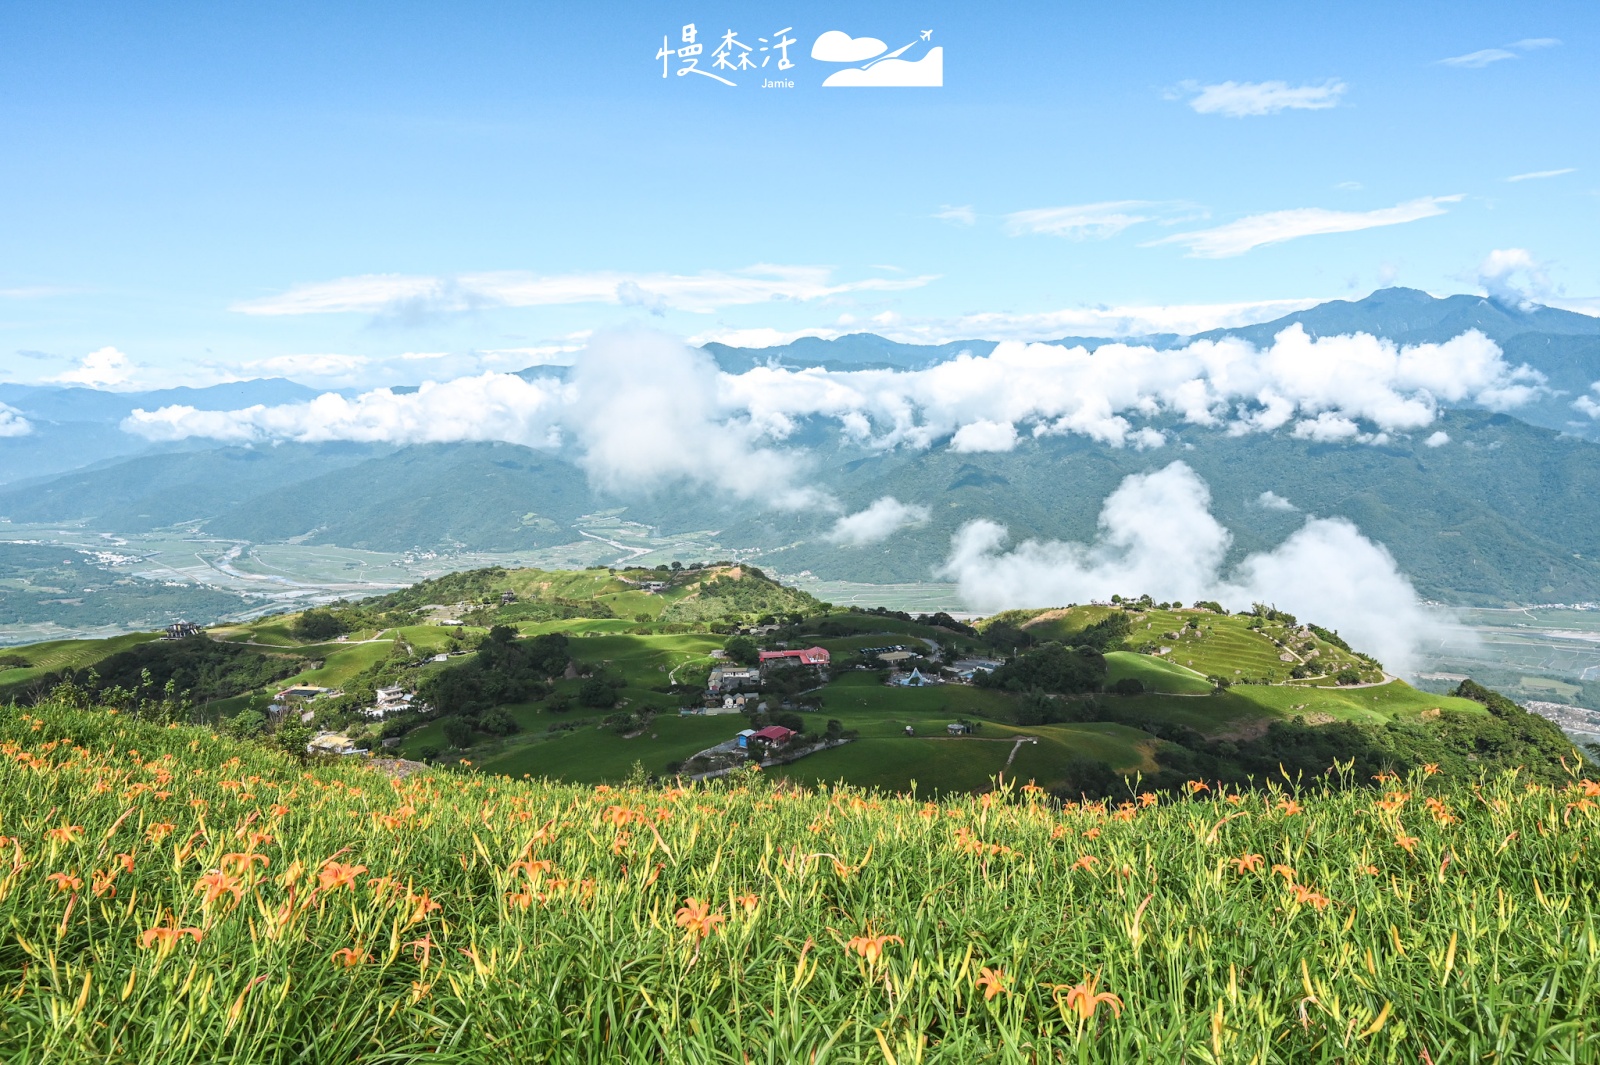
[206, 191]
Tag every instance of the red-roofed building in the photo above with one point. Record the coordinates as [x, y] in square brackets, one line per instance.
[773, 735]
[812, 658]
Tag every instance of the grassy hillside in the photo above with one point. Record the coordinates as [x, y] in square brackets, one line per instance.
[171, 896]
[607, 706]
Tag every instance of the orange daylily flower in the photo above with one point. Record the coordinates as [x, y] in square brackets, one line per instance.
[334, 875]
[871, 947]
[993, 981]
[1307, 897]
[1148, 798]
[159, 831]
[1082, 998]
[167, 936]
[64, 833]
[1085, 861]
[1405, 842]
[697, 920]
[65, 881]
[1247, 863]
[1285, 871]
[1197, 786]
[242, 862]
[1289, 807]
[1430, 768]
[215, 884]
[749, 902]
[349, 957]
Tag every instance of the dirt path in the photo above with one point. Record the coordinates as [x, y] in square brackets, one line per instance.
[1015, 747]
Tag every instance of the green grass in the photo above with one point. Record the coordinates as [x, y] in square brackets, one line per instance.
[463, 918]
[58, 655]
[592, 755]
[1156, 674]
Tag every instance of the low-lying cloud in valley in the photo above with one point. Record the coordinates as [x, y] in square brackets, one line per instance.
[878, 522]
[1158, 536]
[644, 411]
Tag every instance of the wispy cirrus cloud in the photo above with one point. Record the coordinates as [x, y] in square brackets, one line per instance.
[1103, 320]
[962, 215]
[1275, 227]
[1095, 221]
[1537, 175]
[1485, 56]
[1248, 99]
[402, 295]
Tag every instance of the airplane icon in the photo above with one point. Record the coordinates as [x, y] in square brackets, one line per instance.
[927, 35]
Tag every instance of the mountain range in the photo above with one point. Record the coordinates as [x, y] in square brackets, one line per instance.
[1509, 514]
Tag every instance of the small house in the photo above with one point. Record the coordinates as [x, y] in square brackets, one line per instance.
[814, 658]
[181, 630]
[914, 679]
[773, 735]
[743, 738]
[958, 728]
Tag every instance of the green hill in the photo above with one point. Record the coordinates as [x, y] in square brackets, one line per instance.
[581, 675]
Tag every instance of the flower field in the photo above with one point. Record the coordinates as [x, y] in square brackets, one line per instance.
[169, 896]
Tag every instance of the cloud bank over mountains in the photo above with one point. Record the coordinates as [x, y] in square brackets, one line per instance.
[1158, 536]
[644, 410]
[403, 297]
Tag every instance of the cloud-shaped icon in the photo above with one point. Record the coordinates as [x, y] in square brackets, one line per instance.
[927, 72]
[837, 46]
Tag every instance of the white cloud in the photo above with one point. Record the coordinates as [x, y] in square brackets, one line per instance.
[648, 412]
[1485, 56]
[1513, 274]
[960, 216]
[1438, 439]
[1241, 99]
[326, 367]
[104, 368]
[1090, 221]
[927, 73]
[1274, 227]
[1586, 405]
[12, 423]
[877, 522]
[1538, 174]
[1101, 321]
[836, 46]
[1157, 536]
[486, 407]
[1270, 500]
[984, 436]
[1329, 428]
[1481, 58]
[400, 296]
[643, 411]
